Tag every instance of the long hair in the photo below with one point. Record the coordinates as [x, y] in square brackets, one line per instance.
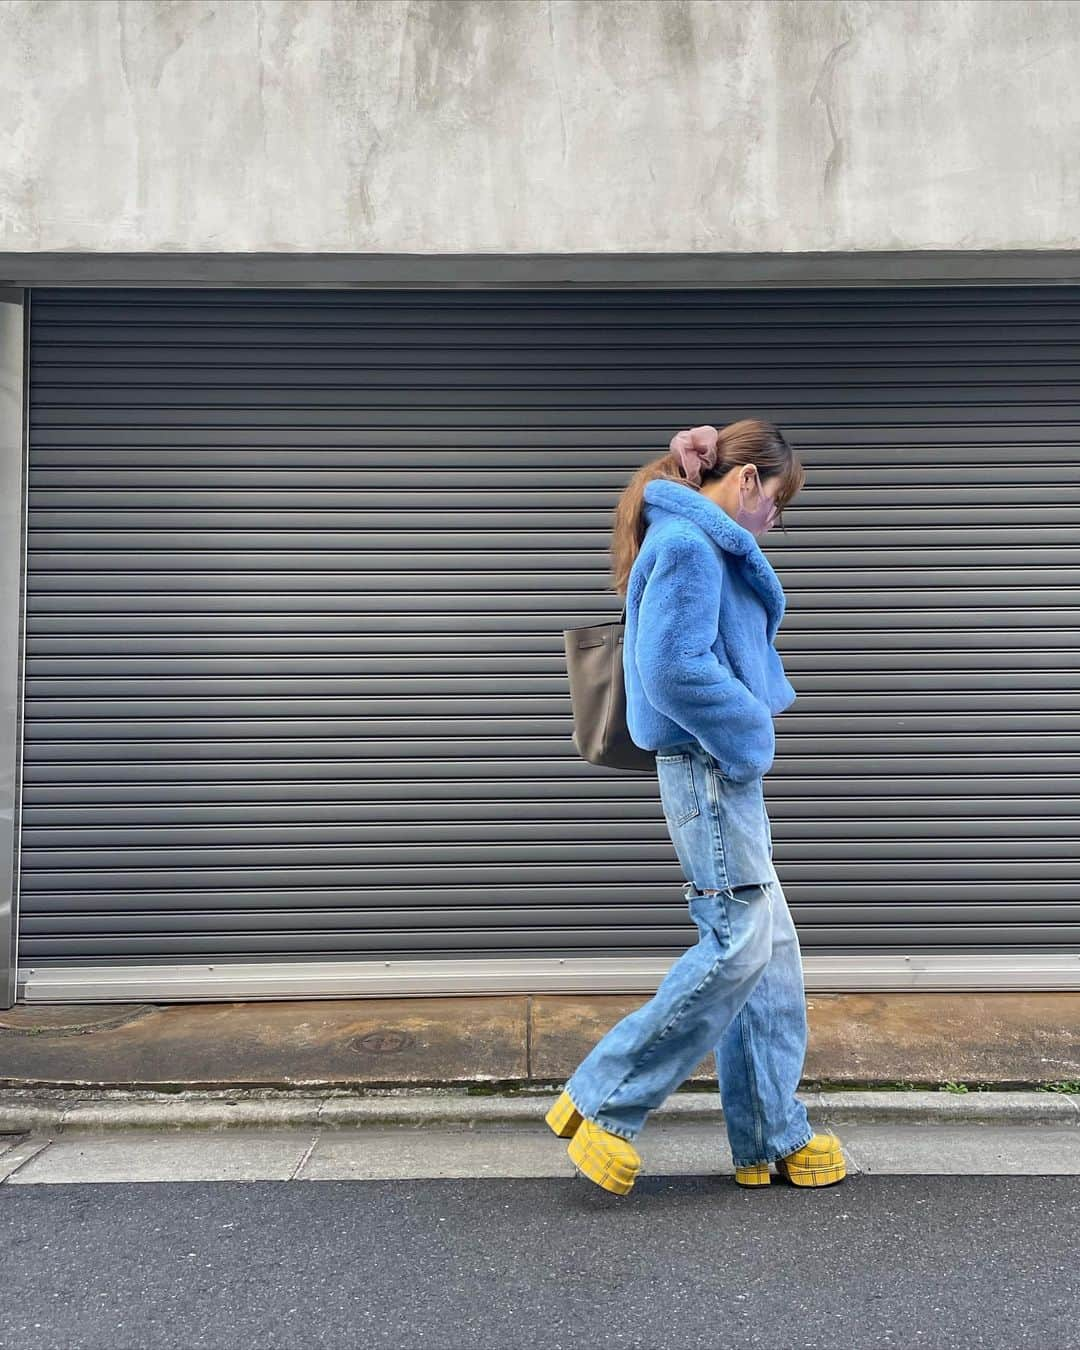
[748, 441]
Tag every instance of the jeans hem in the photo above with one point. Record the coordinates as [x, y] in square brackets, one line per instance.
[598, 1119]
[616, 1129]
[772, 1157]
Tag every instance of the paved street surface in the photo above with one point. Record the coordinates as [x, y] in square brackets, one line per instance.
[396, 1238]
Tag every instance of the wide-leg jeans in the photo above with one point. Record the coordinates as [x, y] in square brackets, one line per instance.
[738, 992]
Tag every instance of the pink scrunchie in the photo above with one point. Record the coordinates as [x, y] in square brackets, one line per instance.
[696, 449]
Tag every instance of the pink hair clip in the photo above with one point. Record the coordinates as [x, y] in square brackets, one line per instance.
[697, 449]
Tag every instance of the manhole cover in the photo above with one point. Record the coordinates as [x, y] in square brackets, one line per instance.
[383, 1042]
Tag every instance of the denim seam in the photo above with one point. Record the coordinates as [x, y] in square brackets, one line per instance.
[755, 1101]
[723, 842]
[722, 895]
[719, 856]
[691, 997]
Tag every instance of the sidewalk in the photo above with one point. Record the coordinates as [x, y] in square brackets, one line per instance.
[50, 1137]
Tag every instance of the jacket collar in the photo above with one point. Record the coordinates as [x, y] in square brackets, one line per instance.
[663, 494]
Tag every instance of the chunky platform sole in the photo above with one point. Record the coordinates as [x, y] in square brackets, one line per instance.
[564, 1117]
[820, 1162]
[608, 1159]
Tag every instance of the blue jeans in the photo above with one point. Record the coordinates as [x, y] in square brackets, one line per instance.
[738, 992]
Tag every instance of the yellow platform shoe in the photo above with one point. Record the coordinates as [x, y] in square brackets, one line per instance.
[608, 1159]
[564, 1117]
[603, 1157]
[820, 1162]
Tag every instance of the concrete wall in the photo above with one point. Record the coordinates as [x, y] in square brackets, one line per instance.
[435, 126]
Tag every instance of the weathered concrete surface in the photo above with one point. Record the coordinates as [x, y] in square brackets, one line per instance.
[854, 1038]
[328, 1041]
[444, 126]
[992, 1038]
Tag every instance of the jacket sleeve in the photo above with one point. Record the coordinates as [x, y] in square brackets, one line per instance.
[680, 673]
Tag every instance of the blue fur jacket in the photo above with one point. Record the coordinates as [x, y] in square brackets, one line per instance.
[703, 605]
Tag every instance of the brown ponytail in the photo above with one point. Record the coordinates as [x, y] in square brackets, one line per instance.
[748, 441]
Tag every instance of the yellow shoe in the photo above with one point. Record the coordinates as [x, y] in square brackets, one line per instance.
[818, 1163]
[564, 1117]
[608, 1159]
[756, 1175]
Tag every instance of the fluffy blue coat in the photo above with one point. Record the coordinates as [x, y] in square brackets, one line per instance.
[703, 605]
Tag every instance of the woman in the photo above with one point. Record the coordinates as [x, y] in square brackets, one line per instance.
[703, 684]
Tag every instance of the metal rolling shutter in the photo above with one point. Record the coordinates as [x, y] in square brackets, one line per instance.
[299, 565]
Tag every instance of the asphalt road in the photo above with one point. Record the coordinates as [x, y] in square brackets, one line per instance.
[556, 1263]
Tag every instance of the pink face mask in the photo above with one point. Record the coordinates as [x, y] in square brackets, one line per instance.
[759, 518]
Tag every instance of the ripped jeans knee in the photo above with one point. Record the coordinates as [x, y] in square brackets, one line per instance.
[742, 893]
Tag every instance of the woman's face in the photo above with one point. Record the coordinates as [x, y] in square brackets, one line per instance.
[750, 502]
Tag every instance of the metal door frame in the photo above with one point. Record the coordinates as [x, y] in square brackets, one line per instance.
[13, 506]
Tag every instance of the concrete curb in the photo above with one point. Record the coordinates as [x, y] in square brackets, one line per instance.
[58, 1111]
